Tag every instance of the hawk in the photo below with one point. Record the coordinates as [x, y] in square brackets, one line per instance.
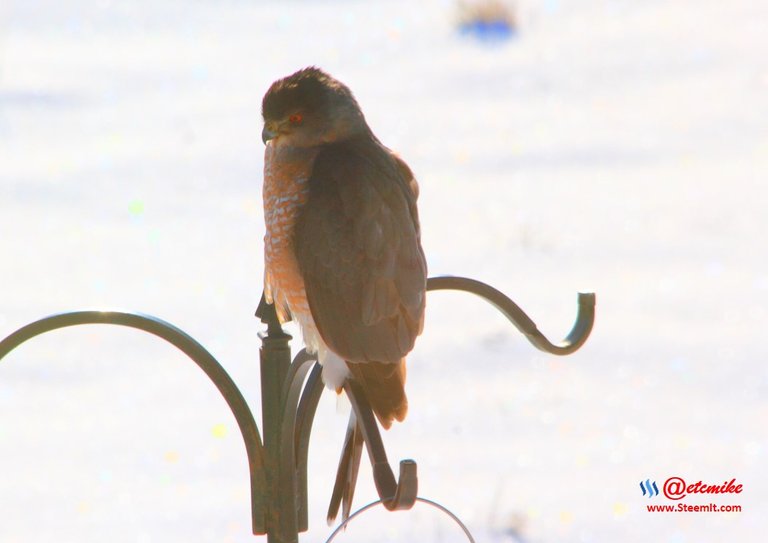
[343, 253]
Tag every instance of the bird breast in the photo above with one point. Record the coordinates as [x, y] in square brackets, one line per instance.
[286, 172]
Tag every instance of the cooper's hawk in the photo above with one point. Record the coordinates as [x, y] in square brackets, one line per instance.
[342, 246]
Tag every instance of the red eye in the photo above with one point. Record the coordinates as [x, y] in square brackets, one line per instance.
[296, 118]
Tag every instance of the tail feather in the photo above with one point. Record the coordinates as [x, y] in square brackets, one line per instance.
[384, 386]
[346, 475]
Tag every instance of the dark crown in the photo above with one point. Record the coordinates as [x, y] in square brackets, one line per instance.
[308, 89]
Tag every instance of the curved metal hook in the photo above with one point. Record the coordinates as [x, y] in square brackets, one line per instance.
[305, 415]
[395, 494]
[585, 317]
[193, 350]
[291, 457]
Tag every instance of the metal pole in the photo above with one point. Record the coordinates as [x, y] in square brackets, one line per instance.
[275, 360]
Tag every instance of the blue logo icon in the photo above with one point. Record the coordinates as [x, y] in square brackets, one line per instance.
[649, 488]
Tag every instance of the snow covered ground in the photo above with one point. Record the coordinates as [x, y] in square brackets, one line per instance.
[612, 145]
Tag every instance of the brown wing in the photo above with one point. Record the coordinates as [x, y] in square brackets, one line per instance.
[358, 248]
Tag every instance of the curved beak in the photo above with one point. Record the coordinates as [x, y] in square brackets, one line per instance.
[267, 134]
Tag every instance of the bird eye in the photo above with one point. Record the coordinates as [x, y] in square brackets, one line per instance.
[296, 118]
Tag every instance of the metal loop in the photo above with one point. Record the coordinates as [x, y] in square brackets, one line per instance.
[431, 503]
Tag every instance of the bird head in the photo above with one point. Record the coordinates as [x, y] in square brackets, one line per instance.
[310, 108]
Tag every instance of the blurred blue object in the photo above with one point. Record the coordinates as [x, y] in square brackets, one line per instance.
[488, 31]
[490, 21]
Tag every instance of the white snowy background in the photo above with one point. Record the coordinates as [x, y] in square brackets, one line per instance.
[615, 146]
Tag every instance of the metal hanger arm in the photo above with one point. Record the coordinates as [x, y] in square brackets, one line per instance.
[193, 350]
[585, 316]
